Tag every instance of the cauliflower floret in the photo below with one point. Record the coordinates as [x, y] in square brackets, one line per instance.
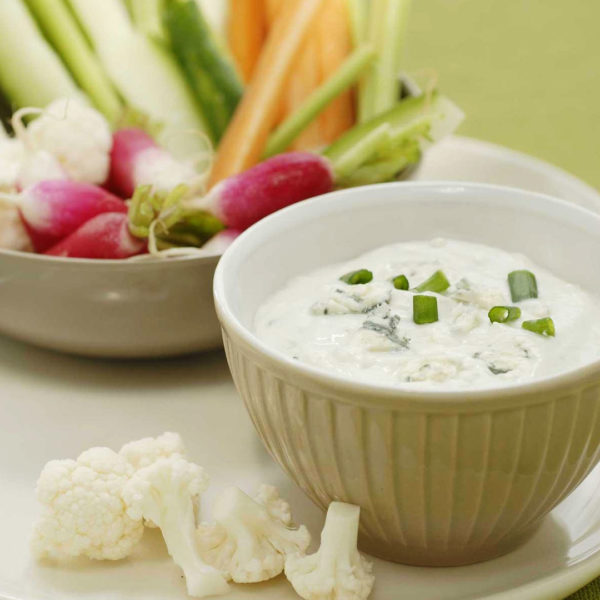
[336, 571]
[77, 135]
[12, 152]
[249, 541]
[83, 512]
[142, 453]
[165, 492]
[13, 235]
[268, 496]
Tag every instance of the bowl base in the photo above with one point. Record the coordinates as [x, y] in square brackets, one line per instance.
[446, 557]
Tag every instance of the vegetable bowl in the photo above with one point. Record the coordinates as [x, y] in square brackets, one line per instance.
[109, 308]
[444, 476]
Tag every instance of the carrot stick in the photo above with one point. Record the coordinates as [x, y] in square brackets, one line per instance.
[246, 136]
[246, 29]
[335, 42]
[303, 81]
[272, 10]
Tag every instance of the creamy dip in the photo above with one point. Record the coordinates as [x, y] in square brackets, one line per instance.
[366, 331]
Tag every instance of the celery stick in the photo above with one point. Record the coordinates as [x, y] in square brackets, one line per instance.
[31, 74]
[145, 15]
[386, 30]
[59, 26]
[144, 72]
[422, 119]
[379, 171]
[358, 18]
[341, 80]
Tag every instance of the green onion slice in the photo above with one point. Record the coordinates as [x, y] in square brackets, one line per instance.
[400, 282]
[425, 309]
[436, 283]
[504, 314]
[543, 327]
[523, 285]
[355, 277]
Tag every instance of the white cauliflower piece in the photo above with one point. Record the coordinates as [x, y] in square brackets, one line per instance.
[142, 453]
[12, 152]
[165, 492]
[13, 235]
[248, 541]
[83, 512]
[268, 496]
[77, 135]
[337, 571]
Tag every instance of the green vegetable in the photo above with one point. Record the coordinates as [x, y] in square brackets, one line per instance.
[402, 131]
[400, 282]
[504, 314]
[144, 73]
[425, 309]
[543, 327]
[210, 72]
[62, 30]
[146, 16]
[523, 285]
[436, 283]
[386, 31]
[31, 74]
[355, 277]
[341, 80]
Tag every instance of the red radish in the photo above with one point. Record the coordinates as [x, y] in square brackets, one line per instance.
[105, 236]
[51, 210]
[242, 200]
[136, 159]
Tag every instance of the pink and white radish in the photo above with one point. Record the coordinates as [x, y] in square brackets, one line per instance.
[105, 236]
[51, 210]
[76, 136]
[136, 159]
[242, 200]
[220, 242]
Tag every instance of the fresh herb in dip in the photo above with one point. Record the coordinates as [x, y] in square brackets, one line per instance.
[481, 317]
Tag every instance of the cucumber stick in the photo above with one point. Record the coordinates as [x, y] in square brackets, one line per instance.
[59, 26]
[31, 74]
[144, 72]
[209, 71]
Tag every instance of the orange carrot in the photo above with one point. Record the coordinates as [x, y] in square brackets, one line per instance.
[335, 44]
[304, 80]
[272, 10]
[245, 138]
[247, 29]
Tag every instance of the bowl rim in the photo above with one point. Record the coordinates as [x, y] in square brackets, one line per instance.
[230, 322]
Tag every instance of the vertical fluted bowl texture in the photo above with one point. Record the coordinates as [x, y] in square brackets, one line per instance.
[442, 477]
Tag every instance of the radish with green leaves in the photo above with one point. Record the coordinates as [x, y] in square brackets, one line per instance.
[105, 236]
[136, 159]
[51, 210]
[241, 200]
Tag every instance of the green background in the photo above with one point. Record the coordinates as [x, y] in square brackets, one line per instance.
[526, 72]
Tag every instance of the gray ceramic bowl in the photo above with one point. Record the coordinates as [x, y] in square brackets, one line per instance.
[443, 478]
[109, 308]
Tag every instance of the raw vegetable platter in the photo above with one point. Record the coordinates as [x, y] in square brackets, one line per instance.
[56, 406]
[158, 126]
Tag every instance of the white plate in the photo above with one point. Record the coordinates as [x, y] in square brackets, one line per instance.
[55, 406]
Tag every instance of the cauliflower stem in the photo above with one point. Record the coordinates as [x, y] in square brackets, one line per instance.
[336, 571]
[164, 492]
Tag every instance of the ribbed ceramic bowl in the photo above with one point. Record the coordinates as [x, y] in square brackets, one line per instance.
[443, 478]
[109, 308]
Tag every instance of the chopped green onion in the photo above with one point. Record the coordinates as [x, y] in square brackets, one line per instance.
[522, 285]
[503, 314]
[436, 283]
[425, 309]
[355, 277]
[543, 327]
[400, 282]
